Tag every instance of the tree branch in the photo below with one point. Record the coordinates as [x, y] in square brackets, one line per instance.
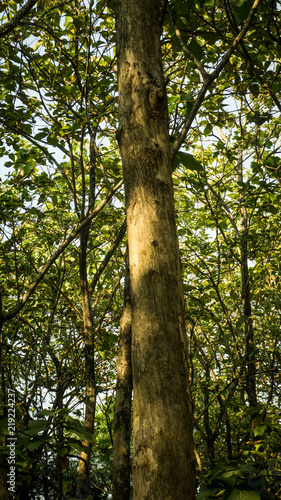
[210, 79]
[108, 256]
[24, 11]
[184, 47]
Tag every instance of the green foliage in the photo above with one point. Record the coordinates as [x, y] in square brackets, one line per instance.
[59, 159]
[234, 483]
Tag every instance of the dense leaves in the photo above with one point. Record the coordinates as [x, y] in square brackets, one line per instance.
[59, 163]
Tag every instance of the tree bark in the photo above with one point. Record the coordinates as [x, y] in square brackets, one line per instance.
[123, 402]
[163, 457]
[83, 487]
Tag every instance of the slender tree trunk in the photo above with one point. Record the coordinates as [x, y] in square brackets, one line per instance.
[208, 431]
[123, 403]
[163, 457]
[249, 330]
[60, 436]
[4, 493]
[246, 301]
[90, 382]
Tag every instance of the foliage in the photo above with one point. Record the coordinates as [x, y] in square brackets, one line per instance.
[60, 162]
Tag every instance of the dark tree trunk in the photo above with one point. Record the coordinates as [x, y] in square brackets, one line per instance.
[90, 381]
[250, 361]
[123, 403]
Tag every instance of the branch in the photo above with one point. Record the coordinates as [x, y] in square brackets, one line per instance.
[24, 11]
[184, 47]
[13, 312]
[16, 130]
[108, 256]
[234, 380]
[210, 79]
[226, 209]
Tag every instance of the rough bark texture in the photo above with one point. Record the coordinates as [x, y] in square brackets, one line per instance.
[163, 459]
[123, 403]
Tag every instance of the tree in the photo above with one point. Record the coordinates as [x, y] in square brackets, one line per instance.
[123, 401]
[199, 114]
[163, 462]
[72, 186]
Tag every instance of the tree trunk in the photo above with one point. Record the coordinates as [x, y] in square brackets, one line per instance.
[83, 487]
[248, 325]
[60, 434]
[4, 493]
[246, 300]
[163, 457]
[123, 403]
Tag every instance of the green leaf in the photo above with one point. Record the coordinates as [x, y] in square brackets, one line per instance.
[75, 426]
[41, 135]
[244, 10]
[208, 129]
[243, 495]
[272, 209]
[188, 161]
[53, 141]
[33, 444]
[209, 3]
[196, 50]
[104, 354]
[37, 426]
[66, 89]
[68, 21]
[75, 444]
[63, 451]
[259, 430]
[207, 492]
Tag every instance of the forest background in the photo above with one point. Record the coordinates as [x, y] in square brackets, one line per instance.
[63, 253]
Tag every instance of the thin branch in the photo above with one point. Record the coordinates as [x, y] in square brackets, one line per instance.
[108, 256]
[24, 11]
[210, 79]
[18, 131]
[184, 47]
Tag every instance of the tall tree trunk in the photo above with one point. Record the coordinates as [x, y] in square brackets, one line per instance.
[60, 436]
[246, 300]
[123, 402]
[163, 457]
[90, 381]
[4, 493]
[210, 438]
[248, 325]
